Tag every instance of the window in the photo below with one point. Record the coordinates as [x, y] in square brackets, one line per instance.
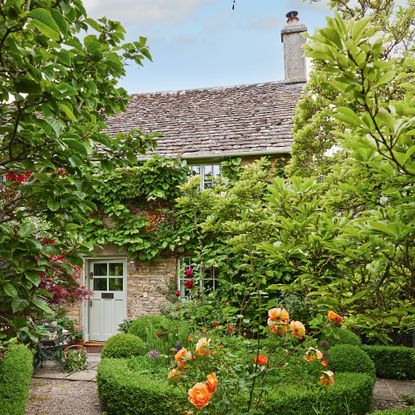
[207, 172]
[205, 277]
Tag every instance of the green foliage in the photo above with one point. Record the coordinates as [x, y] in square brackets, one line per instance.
[124, 390]
[392, 362]
[74, 360]
[145, 326]
[405, 411]
[15, 376]
[351, 393]
[124, 345]
[349, 358]
[58, 83]
[135, 208]
[341, 336]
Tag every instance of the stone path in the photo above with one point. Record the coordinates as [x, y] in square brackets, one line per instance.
[391, 393]
[53, 392]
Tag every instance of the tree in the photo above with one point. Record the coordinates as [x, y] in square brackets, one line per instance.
[58, 82]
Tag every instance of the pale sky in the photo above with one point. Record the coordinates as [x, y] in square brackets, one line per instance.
[204, 43]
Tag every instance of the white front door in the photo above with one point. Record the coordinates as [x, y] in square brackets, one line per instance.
[108, 304]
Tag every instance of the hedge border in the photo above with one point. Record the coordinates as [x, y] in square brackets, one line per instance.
[126, 392]
[392, 362]
[15, 375]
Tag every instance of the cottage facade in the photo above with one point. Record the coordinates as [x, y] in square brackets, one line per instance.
[202, 126]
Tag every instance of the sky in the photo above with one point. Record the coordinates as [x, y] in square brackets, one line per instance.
[204, 43]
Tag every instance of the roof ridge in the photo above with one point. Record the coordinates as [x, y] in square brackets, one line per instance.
[217, 88]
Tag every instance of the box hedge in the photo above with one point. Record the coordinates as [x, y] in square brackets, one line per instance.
[341, 336]
[393, 362]
[125, 391]
[124, 345]
[15, 374]
[348, 358]
[350, 394]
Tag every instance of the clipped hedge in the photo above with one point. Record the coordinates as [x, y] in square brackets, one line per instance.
[145, 326]
[15, 374]
[341, 336]
[348, 358]
[123, 346]
[393, 362]
[350, 394]
[125, 391]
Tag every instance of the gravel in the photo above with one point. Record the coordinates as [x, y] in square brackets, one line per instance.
[63, 397]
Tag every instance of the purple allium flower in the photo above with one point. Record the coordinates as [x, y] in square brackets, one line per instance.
[154, 354]
[178, 346]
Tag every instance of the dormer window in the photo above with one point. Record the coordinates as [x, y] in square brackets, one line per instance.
[207, 172]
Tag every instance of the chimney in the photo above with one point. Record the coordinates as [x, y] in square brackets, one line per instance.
[293, 39]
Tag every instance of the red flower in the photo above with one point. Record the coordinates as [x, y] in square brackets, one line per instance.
[324, 362]
[189, 284]
[188, 273]
[216, 325]
[261, 360]
[177, 293]
[230, 329]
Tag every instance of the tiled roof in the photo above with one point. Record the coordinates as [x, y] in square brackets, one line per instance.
[210, 122]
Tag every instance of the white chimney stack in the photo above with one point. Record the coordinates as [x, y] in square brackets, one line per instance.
[293, 39]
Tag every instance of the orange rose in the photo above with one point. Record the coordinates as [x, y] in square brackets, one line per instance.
[279, 314]
[173, 373]
[327, 378]
[261, 360]
[212, 382]
[297, 329]
[202, 346]
[183, 356]
[334, 317]
[199, 395]
[280, 330]
[312, 354]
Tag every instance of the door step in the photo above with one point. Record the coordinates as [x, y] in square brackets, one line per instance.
[94, 346]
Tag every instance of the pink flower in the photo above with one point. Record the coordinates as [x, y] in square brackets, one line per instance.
[177, 293]
[188, 273]
[189, 284]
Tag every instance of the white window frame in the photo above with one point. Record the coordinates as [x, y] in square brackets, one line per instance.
[199, 276]
[202, 170]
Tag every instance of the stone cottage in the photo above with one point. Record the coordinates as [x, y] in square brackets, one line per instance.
[202, 126]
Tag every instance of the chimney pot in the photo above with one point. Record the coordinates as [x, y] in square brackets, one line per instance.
[292, 18]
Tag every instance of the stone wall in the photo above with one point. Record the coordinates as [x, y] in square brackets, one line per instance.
[148, 286]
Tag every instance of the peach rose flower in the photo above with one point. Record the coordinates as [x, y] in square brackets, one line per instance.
[297, 329]
[334, 317]
[279, 315]
[183, 356]
[312, 354]
[202, 346]
[199, 395]
[261, 360]
[212, 382]
[278, 329]
[173, 373]
[327, 378]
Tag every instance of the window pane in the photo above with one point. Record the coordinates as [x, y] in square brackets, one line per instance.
[116, 284]
[216, 170]
[100, 284]
[195, 170]
[116, 269]
[100, 270]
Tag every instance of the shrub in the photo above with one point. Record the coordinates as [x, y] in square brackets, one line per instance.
[125, 391]
[393, 362]
[348, 358]
[341, 336]
[144, 327]
[124, 345]
[15, 375]
[351, 393]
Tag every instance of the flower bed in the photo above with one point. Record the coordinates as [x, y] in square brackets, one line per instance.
[126, 391]
[393, 362]
[217, 372]
[15, 373]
